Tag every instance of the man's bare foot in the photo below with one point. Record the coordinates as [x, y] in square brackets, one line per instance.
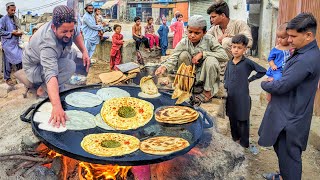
[40, 91]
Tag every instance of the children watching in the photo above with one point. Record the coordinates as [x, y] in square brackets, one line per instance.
[137, 36]
[237, 81]
[99, 21]
[149, 33]
[278, 55]
[163, 33]
[117, 42]
[177, 29]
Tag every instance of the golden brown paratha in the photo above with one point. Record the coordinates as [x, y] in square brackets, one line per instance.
[140, 112]
[110, 144]
[163, 145]
[176, 115]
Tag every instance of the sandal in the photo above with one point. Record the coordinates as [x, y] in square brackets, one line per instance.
[272, 176]
[10, 82]
[203, 98]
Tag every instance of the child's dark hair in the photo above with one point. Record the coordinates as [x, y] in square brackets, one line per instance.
[136, 19]
[34, 30]
[115, 26]
[219, 8]
[240, 39]
[179, 15]
[149, 18]
[96, 9]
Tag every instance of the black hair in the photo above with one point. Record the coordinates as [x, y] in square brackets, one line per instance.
[136, 19]
[179, 15]
[240, 39]
[149, 18]
[96, 9]
[203, 28]
[219, 8]
[115, 26]
[303, 22]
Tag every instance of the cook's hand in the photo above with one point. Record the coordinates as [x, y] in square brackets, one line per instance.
[58, 116]
[274, 67]
[86, 60]
[222, 37]
[160, 70]
[196, 58]
[16, 33]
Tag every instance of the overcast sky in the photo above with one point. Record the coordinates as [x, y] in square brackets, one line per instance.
[28, 4]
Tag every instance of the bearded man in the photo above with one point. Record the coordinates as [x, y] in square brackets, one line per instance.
[48, 59]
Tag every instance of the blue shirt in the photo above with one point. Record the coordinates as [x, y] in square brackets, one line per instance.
[279, 57]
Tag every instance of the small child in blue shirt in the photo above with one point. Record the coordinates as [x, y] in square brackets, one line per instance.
[278, 55]
[163, 33]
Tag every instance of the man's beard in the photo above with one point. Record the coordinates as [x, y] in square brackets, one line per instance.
[63, 42]
[89, 12]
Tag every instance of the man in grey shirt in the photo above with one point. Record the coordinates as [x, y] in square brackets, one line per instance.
[48, 60]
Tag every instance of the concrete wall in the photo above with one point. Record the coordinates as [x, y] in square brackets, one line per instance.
[268, 24]
[238, 9]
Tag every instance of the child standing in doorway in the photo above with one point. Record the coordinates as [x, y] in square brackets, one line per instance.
[278, 55]
[177, 29]
[117, 42]
[237, 81]
[149, 33]
[163, 33]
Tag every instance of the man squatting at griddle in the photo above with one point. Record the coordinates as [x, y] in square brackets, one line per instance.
[48, 60]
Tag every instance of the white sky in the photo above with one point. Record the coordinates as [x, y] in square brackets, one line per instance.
[28, 4]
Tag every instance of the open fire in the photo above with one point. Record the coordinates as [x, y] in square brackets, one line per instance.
[86, 171]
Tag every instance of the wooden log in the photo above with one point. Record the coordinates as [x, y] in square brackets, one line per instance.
[19, 153]
[25, 174]
[22, 157]
[15, 169]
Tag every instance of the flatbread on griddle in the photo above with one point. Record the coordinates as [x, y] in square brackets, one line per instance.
[100, 123]
[112, 92]
[126, 144]
[42, 117]
[176, 114]
[45, 107]
[79, 120]
[83, 99]
[163, 145]
[148, 96]
[49, 127]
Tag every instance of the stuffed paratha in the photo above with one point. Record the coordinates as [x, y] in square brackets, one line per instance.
[163, 145]
[126, 113]
[100, 123]
[110, 144]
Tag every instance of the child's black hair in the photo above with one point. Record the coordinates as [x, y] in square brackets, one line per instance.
[149, 18]
[240, 39]
[136, 19]
[179, 15]
[115, 26]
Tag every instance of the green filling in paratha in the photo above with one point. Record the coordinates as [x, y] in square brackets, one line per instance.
[110, 144]
[126, 112]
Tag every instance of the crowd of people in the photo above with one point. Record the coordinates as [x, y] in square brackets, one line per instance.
[47, 63]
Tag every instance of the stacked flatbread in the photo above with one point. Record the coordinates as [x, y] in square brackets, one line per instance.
[112, 78]
[148, 88]
[183, 83]
[176, 115]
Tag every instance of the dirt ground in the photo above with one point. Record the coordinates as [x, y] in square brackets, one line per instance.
[12, 130]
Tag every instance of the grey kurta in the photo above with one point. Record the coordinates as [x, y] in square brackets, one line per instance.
[234, 27]
[291, 105]
[45, 57]
[213, 53]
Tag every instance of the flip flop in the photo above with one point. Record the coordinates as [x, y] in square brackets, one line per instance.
[271, 176]
[203, 98]
[253, 149]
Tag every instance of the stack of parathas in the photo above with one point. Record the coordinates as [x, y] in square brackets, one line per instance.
[183, 83]
[176, 115]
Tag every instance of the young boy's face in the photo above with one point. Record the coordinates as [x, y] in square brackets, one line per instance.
[195, 34]
[98, 12]
[118, 30]
[150, 21]
[138, 22]
[238, 50]
[180, 18]
[164, 21]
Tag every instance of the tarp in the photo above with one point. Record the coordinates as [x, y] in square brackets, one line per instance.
[109, 4]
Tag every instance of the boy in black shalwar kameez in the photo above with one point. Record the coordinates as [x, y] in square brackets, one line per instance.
[236, 80]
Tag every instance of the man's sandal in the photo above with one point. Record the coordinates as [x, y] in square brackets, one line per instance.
[203, 98]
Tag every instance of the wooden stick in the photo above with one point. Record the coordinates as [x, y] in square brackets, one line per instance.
[19, 153]
[21, 157]
[13, 170]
